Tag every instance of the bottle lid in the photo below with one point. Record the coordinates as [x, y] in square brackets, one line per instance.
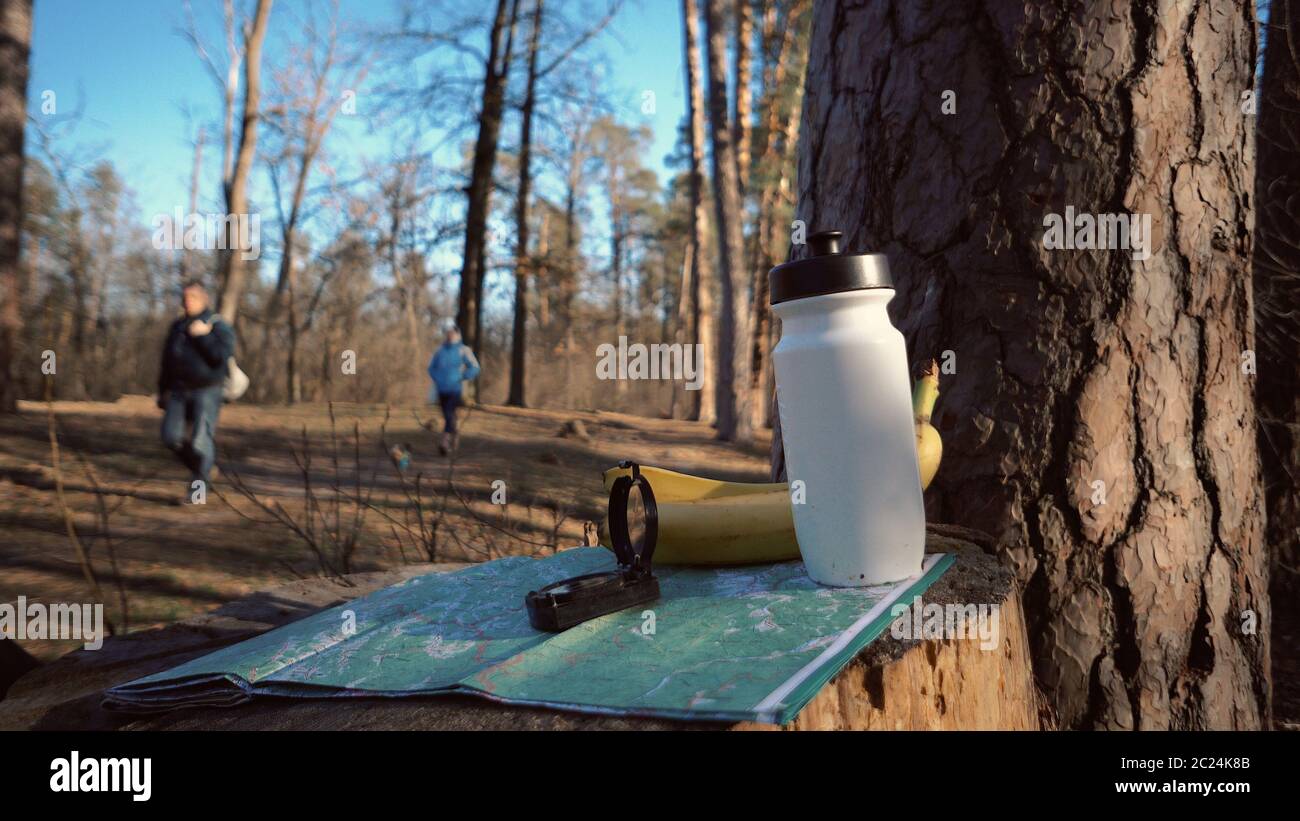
[827, 271]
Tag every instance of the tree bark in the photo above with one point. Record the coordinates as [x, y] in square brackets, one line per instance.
[1098, 419]
[732, 388]
[680, 405]
[15, 48]
[616, 233]
[741, 127]
[496, 72]
[703, 407]
[1277, 290]
[234, 268]
[519, 337]
[569, 274]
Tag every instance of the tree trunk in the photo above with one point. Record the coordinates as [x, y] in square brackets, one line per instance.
[1095, 411]
[292, 378]
[680, 405]
[732, 388]
[616, 256]
[1277, 290]
[742, 130]
[234, 268]
[15, 46]
[496, 72]
[569, 282]
[519, 338]
[703, 407]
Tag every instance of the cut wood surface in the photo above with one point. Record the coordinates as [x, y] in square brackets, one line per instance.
[892, 684]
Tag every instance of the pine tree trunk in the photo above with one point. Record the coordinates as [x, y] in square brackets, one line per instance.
[1277, 290]
[519, 338]
[569, 282]
[732, 388]
[680, 405]
[1095, 412]
[15, 46]
[703, 408]
[742, 130]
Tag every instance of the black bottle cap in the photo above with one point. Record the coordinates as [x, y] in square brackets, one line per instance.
[827, 271]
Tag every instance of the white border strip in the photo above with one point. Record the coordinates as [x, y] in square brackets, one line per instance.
[767, 707]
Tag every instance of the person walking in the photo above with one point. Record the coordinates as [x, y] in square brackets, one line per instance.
[452, 365]
[194, 366]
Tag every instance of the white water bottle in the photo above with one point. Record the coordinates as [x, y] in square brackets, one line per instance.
[844, 396]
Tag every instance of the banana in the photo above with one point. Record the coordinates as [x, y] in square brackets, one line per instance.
[713, 522]
[671, 486]
[710, 522]
[929, 447]
[741, 529]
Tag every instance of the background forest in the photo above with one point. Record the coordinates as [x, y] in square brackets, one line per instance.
[505, 180]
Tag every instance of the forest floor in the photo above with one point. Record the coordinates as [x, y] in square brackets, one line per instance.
[169, 562]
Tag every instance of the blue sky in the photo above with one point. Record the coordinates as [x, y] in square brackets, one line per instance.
[135, 78]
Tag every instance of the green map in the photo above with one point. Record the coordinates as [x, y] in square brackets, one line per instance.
[732, 644]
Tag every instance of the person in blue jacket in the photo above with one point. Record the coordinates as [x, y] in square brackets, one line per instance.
[452, 365]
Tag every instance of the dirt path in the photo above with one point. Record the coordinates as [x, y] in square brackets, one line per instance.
[174, 561]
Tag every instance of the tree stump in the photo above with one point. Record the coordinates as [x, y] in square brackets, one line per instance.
[938, 684]
[892, 684]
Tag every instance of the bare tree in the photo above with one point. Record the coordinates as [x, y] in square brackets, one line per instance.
[233, 267]
[734, 421]
[309, 92]
[1096, 415]
[15, 46]
[496, 72]
[528, 108]
[401, 193]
